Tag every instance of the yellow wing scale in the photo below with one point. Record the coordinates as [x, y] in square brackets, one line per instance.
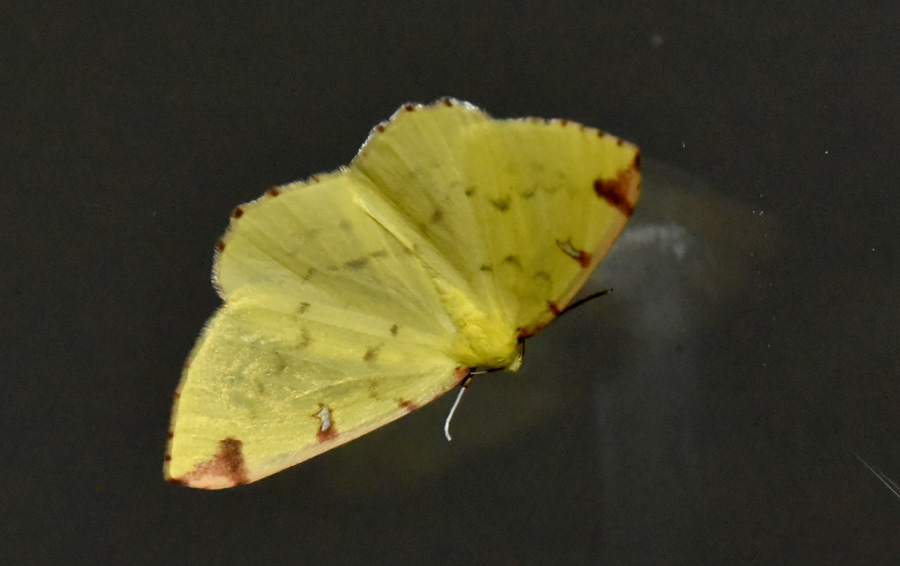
[365, 293]
[267, 367]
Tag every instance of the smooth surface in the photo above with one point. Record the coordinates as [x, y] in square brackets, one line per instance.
[708, 411]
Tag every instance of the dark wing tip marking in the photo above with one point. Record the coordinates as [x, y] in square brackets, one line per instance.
[615, 192]
[230, 452]
[227, 464]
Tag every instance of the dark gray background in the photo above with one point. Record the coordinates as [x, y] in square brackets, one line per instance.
[709, 411]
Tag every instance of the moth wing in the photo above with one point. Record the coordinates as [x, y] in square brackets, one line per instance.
[330, 329]
[521, 211]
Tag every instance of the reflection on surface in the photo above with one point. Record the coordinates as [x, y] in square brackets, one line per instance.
[683, 271]
[712, 402]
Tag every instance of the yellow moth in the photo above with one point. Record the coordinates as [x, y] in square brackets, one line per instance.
[360, 295]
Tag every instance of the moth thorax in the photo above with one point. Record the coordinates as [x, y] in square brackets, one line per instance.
[484, 339]
[487, 343]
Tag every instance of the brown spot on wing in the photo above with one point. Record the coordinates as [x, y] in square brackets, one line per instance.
[394, 329]
[617, 192]
[513, 260]
[409, 107]
[327, 431]
[582, 257]
[305, 339]
[408, 405]
[381, 128]
[326, 435]
[238, 212]
[273, 192]
[371, 354]
[501, 204]
[554, 308]
[220, 246]
[357, 263]
[225, 469]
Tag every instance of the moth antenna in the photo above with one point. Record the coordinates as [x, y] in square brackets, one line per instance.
[462, 389]
[580, 302]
